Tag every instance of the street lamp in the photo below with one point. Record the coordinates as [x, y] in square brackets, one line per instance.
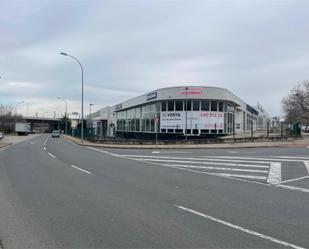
[66, 111]
[17, 105]
[81, 67]
[90, 117]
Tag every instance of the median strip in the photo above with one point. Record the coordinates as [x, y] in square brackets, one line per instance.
[240, 228]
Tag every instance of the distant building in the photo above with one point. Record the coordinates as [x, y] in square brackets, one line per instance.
[263, 119]
[179, 111]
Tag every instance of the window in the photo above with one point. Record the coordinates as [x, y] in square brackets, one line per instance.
[204, 105]
[188, 105]
[170, 130]
[152, 125]
[178, 105]
[163, 130]
[163, 106]
[213, 131]
[220, 106]
[204, 131]
[170, 105]
[214, 106]
[195, 131]
[188, 131]
[178, 130]
[196, 105]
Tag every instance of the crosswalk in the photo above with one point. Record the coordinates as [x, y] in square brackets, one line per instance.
[257, 169]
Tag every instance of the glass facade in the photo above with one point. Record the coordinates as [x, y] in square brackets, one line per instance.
[146, 118]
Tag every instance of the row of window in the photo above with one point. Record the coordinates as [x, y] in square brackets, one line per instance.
[192, 105]
[189, 131]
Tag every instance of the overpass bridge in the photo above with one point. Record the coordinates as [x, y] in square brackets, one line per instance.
[43, 124]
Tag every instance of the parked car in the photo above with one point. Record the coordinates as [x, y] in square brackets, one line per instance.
[56, 133]
[1, 135]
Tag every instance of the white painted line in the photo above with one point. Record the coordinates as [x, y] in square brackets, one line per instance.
[294, 157]
[274, 176]
[258, 159]
[307, 165]
[83, 170]
[155, 152]
[103, 151]
[293, 188]
[45, 142]
[242, 176]
[208, 163]
[294, 179]
[44, 148]
[240, 228]
[219, 168]
[51, 155]
[198, 159]
[232, 152]
[227, 176]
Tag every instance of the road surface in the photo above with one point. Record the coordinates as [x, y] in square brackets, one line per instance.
[56, 194]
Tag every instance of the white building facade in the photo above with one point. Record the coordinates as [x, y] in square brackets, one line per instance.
[176, 112]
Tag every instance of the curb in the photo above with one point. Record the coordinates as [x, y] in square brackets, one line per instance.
[3, 145]
[180, 146]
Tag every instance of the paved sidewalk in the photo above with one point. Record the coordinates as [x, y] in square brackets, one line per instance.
[302, 142]
[13, 139]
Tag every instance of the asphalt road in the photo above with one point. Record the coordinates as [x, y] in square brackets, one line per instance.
[55, 194]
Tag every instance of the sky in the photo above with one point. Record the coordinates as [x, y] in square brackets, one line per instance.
[258, 50]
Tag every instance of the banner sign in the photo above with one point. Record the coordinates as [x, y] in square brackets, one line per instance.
[195, 120]
[191, 91]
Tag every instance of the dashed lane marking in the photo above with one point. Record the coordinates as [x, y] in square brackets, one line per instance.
[45, 142]
[83, 170]
[51, 155]
[240, 228]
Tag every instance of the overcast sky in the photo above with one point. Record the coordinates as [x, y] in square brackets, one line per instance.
[257, 50]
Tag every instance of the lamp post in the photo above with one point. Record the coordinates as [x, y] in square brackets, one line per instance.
[16, 111]
[17, 105]
[66, 111]
[186, 124]
[82, 71]
[90, 117]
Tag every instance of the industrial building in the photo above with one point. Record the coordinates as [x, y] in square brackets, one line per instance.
[193, 111]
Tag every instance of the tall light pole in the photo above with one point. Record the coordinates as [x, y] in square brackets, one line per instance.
[66, 111]
[90, 117]
[21, 102]
[81, 67]
[186, 124]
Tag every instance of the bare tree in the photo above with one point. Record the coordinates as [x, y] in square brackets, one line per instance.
[296, 104]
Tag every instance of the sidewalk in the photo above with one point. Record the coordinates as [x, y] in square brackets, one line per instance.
[297, 142]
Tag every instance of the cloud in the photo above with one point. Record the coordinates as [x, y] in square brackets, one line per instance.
[257, 50]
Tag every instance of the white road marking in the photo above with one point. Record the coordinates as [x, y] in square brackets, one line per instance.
[197, 159]
[307, 165]
[83, 170]
[44, 148]
[240, 228]
[241, 176]
[218, 168]
[104, 151]
[259, 158]
[155, 152]
[232, 152]
[45, 142]
[294, 179]
[203, 172]
[293, 157]
[51, 155]
[274, 176]
[293, 188]
[208, 163]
